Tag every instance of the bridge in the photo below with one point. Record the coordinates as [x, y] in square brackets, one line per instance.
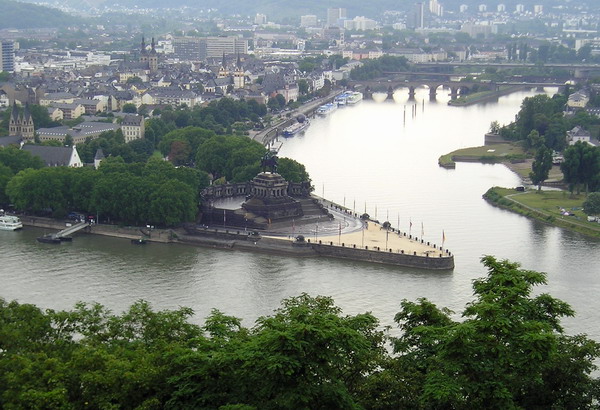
[456, 87]
[578, 70]
[390, 86]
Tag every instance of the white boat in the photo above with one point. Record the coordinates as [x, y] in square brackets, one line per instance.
[295, 128]
[354, 97]
[340, 100]
[326, 109]
[10, 223]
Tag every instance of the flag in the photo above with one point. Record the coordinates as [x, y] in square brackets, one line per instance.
[224, 217]
[443, 238]
[293, 226]
[422, 231]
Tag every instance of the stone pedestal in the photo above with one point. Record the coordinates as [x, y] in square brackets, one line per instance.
[269, 199]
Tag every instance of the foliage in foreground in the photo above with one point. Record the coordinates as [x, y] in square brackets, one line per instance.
[509, 351]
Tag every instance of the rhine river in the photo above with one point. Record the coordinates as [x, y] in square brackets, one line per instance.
[381, 157]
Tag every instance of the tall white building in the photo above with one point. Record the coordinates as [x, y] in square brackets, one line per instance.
[436, 8]
[538, 9]
[463, 8]
[360, 23]
[260, 19]
[336, 16]
[520, 8]
[501, 8]
[482, 8]
[309, 20]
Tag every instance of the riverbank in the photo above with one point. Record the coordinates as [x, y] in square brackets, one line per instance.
[484, 96]
[556, 208]
[487, 154]
[378, 245]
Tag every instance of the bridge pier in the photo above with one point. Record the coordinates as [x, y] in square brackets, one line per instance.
[453, 93]
[432, 93]
[368, 94]
[390, 94]
[411, 93]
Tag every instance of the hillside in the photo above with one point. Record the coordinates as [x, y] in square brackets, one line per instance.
[25, 15]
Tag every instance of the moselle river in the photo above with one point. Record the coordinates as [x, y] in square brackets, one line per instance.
[381, 157]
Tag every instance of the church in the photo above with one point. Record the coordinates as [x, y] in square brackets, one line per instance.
[21, 123]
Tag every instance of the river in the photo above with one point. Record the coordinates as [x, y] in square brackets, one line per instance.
[381, 157]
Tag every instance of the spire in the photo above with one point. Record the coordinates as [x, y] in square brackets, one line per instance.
[15, 112]
[153, 51]
[143, 45]
[224, 63]
[239, 62]
[26, 113]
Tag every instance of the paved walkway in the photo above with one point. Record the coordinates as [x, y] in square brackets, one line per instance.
[349, 230]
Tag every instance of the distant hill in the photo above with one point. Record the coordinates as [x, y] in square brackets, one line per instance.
[26, 15]
[279, 9]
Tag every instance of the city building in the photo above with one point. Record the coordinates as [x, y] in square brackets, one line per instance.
[132, 127]
[79, 133]
[309, 20]
[417, 16]
[55, 156]
[260, 19]
[7, 56]
[203, 48]
[336, 16]
[436, 8]
[360, 23]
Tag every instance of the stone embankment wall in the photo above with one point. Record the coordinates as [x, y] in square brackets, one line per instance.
[127, 232]
[435, 261]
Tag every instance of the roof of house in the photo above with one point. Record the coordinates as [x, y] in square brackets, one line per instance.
[578, 131]
[132, 120]
[52, 156]
[10, 140]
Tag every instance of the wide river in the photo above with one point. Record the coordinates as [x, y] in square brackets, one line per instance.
[379, 156]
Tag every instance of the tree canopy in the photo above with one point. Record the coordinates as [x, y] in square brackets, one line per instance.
[508, 351]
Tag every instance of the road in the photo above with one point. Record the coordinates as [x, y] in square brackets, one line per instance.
[268, 134]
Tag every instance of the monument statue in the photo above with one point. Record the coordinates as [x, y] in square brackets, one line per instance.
[269, 162]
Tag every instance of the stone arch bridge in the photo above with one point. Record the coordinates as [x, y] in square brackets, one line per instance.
[390, 86]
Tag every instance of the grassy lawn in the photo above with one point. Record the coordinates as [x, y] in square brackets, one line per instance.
[487, 153]
[547, 206]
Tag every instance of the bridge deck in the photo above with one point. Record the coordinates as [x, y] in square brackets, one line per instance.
[71, 229]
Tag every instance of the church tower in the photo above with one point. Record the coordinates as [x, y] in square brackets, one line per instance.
[153, 58]
[21, 124]
[223, 69]
[143, 52]
[239, 76]
[27, 129]
[14, 126]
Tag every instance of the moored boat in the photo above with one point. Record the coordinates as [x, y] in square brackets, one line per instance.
[49, 239]
[354, 97]
[326, 109]
[295, 128]
[10, 223]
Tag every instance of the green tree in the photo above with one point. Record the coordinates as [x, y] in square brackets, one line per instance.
[591, 205]
[18, 160]
[509, 351]
[292, 170]
[5, 175]
[581, 166]
[303, 86]
[541, 166]
[129, 108]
